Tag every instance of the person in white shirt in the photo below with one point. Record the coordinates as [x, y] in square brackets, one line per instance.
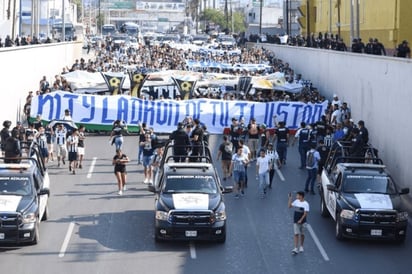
[274, 162]
[246, 152]
[301, 210]
[263, 165]
[67, 116]
[336, 100]
[61, 139]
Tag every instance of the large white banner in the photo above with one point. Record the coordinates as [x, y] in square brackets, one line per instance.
[163, 115]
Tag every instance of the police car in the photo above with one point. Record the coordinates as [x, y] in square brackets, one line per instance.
[24, 194]
[189, 202]
[362, 197]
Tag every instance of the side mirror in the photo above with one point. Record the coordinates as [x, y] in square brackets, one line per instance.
[44, 191]
[227, 189]
[331, 187]
[404, 190]
[151, 188]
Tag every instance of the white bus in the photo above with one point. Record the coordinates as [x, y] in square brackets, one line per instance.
[108, 29]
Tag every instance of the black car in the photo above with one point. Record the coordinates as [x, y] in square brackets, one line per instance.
[189, 203]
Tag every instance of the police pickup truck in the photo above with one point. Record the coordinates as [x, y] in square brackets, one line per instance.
[361, 196]
[189, 202]
[24, 193]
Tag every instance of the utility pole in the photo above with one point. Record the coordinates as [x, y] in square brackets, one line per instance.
[357, 19]
[338, 18]
[226, 14]
[287, 16]
[63, 22]
[260, 19]
[352, 21]
[307, 21]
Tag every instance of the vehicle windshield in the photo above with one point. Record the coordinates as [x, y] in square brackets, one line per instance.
[15, 185]
[190, 184]
[369, 184]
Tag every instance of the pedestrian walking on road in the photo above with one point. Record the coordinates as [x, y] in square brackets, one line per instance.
[116, 136]
[312, 159]
[301, 210]
[263, 164]
[237, 167]
[61, 140]
[119, 162]
[274, 162]
[225, 154]
[148, 149]
[81, 148]
[282, 137]
[72, 147]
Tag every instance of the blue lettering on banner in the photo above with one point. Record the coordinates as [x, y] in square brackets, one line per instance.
[70, 97]
[296, 118]
[106, 109]
[148, 112]
[282, 111]
[161, 117]
[122, 109]
[164, 115]
[90, 106]
[136, 114]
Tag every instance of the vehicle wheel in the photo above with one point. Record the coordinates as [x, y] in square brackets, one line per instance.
[45, 214]
[36, 239]
[338, 229]
[221, 240]
[158, 239]
[400, 240]
[323, 210]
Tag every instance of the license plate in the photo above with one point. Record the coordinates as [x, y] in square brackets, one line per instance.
[376, 232]
[191, 233]
[1, 236]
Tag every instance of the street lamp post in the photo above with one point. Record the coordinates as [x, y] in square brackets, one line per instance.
[260, 19]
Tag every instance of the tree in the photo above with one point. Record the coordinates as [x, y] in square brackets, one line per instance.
[218, 18]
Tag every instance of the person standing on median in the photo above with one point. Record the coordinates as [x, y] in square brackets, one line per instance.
[301, 210]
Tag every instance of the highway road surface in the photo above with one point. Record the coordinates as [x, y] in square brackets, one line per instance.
[94, 230]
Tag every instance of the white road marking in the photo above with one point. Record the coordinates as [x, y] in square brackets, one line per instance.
[192, 250]
[282, 178]
[89, 174]
[66, 240]
[317, 242]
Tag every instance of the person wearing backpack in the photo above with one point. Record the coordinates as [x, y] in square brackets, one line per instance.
[312, 159]
[225, 153]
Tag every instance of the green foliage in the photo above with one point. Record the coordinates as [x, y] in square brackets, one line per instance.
[218, 18]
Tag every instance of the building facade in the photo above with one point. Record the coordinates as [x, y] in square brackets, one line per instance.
[387, 20]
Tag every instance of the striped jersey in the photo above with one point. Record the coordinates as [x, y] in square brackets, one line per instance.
[61, 136]
[72, 143]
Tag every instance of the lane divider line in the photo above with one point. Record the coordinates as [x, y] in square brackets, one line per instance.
[317, 242]
[280, 174]
[192, 250]
[89, 174]
[66, 240]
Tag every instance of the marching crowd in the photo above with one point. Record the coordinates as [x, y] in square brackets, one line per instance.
[246, 143]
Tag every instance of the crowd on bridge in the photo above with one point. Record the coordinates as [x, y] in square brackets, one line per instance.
[334, 42]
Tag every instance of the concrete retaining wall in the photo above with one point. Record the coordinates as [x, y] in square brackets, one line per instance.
[23, 67]
[378, 90]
